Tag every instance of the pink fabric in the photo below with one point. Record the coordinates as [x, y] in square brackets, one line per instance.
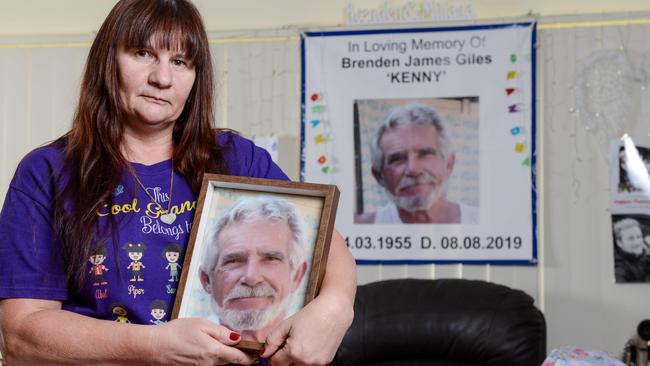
[573, 356]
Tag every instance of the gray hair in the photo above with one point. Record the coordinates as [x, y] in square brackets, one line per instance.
[403, 115]
[247, 210]
[624, 224]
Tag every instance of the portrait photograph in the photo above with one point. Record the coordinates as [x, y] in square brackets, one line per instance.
[417, 161]
[631, 237]
[257, 253]
[630, 175]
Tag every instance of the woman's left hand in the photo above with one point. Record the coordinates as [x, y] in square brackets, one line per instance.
[312, 335]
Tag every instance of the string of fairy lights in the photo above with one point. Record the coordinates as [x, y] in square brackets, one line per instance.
[596, 78]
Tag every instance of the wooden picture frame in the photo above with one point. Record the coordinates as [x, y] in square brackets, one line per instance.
[230, 209]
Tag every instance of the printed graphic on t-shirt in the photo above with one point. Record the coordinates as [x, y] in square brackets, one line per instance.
[118, 190]
[120, 311]
[97, 269]
[135, 253]
[158, 311]
[151, 214]
[149, 264]
[172, 253]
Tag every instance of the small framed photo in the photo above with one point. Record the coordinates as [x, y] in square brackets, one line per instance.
[257, 253]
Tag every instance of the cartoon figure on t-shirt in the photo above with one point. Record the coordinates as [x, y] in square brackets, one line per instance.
[172, 252]
[135, 252]
[158, 311]
[119, 310]
[97, 257]
[118, 190]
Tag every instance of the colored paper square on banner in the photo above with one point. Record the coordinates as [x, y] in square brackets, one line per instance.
[317, 109]
[519, 147]
[319, 139]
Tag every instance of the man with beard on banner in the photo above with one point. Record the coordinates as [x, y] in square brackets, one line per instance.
[254, 264]
[412, 159]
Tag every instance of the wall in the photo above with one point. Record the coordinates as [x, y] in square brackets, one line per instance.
[259, 94]
[83, 16]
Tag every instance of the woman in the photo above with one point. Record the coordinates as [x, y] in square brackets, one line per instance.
[88, 219]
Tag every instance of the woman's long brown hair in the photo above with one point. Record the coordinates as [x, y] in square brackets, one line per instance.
[93, 161]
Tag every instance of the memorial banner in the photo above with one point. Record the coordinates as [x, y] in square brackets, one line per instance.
[430, 136]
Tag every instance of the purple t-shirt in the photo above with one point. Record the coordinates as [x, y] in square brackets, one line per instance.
[137, 283]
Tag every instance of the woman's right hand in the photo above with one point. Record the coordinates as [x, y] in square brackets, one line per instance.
[195, 341]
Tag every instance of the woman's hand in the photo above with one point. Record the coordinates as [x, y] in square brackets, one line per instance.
[195, 341]
[33, 334]
[311, 336]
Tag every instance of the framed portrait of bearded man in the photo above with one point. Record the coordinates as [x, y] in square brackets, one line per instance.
[257, 253]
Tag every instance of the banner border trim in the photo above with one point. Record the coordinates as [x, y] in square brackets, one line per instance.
[417, 30]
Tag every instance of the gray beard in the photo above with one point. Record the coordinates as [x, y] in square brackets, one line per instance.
[419, 203]
[240, 320]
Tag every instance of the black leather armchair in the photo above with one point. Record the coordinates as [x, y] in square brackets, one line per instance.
[445, 322]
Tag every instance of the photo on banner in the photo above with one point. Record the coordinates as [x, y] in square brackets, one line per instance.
[430, 135]
[450, 165]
